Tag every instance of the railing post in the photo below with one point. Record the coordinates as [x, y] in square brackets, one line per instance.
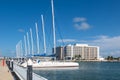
[9, 63]
[12, 65]
[29, 70]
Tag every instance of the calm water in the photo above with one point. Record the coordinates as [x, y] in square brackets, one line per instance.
[86, 71]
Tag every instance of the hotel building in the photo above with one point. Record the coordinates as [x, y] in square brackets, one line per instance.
[83, 50]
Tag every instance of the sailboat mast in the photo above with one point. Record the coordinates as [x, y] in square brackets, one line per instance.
[25, 45]
[31, 41]
[28, 43]
[21, 50]
[43, 33]
[53, 24]
[17, 50]
[38, 49]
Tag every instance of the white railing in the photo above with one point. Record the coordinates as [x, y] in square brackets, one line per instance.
[22, 73]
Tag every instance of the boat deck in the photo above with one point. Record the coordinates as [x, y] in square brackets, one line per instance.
[5, 74]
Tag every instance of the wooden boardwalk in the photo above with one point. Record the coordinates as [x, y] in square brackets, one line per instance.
[5, 74]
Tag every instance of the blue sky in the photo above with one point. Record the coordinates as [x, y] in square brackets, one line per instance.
[94, 22]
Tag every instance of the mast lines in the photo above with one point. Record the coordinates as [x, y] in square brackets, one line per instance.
[27, 41]
[38, 48]
[25, 45]
[28, 44]
[53, 24]
[31, 41]
[43, 33]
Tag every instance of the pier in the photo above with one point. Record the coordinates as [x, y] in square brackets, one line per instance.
[5, 73]
[20, 73]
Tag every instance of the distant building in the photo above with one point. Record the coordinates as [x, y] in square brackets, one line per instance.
[82, 50]
[86, 52]
[60, 53]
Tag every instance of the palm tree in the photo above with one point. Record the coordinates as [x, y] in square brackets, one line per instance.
[110, 58]
[79, 56]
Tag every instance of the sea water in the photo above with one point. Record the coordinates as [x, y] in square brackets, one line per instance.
[86, 71]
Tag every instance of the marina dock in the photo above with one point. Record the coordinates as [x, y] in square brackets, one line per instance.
[9, 71]
[5, 74]
[20, 73]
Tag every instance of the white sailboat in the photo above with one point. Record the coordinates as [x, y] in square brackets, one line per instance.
[51, 64]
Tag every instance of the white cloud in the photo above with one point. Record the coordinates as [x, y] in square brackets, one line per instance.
[79, 19]
[67, 40]
[80, 23]
[82, 26]
[108, 42]
[100, 37]
[21, 30]
[108, 45]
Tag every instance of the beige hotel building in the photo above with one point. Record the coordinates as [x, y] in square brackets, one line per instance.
[83, 50]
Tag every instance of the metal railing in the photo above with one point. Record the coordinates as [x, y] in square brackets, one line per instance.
[22, 73]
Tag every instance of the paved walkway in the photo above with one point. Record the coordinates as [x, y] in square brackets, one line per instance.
[5, 74]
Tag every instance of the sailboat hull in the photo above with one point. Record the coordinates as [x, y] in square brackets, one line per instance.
[52, 64]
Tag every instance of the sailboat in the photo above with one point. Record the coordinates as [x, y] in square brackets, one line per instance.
[51, 64]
